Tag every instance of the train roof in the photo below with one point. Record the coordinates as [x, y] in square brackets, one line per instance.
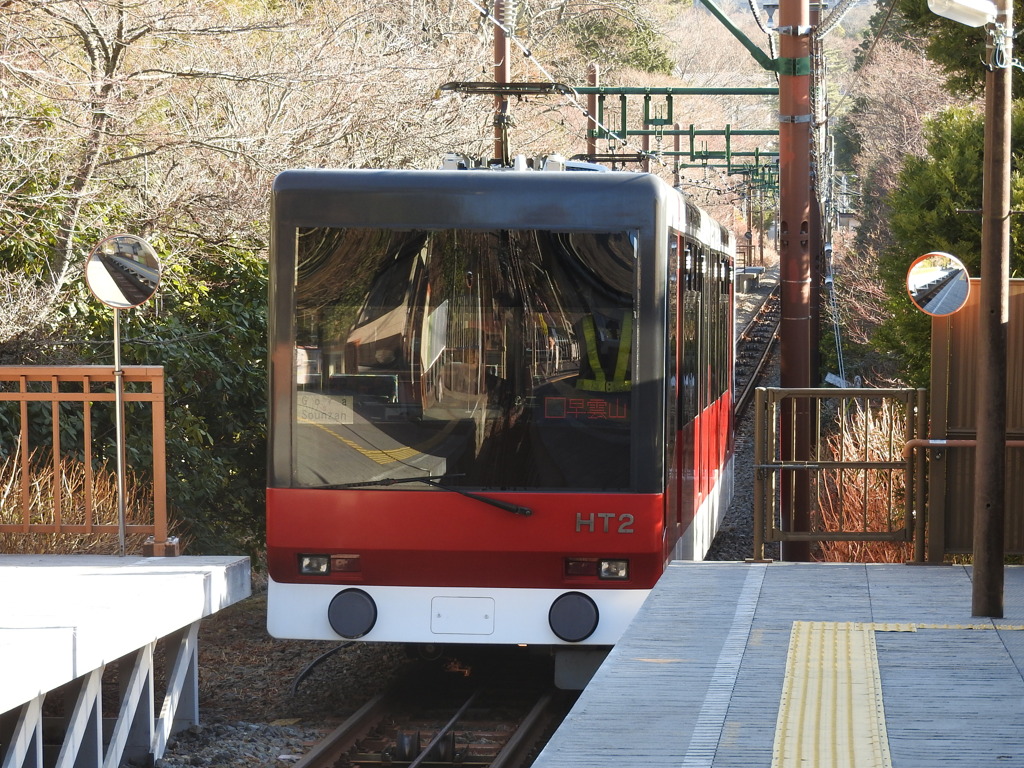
[485, 199]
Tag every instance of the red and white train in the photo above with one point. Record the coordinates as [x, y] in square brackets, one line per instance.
[500, 402]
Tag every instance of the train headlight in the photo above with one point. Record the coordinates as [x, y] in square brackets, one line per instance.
[606, 569]
[613, 570]
[314, 565]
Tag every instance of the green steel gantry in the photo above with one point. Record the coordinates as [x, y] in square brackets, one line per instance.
[659, 122]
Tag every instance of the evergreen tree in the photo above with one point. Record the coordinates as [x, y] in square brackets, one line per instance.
[936, 207]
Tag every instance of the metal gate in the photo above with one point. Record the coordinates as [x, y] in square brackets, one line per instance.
[861, 483]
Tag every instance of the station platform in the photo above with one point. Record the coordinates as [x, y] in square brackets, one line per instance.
[74, 622]
[753, 294]
[806, 664]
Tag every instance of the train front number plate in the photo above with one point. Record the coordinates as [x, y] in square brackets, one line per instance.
[462, 615]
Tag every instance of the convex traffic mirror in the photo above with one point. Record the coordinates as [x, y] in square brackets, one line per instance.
[123, 271]
[938, 284]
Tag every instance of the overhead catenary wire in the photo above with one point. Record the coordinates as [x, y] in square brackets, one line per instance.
[528, 54]
[755, 11]
[859, 74]
[837, 325]
[832, 20]
[615, 139]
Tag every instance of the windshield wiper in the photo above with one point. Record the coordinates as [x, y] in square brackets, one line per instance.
[431, 480]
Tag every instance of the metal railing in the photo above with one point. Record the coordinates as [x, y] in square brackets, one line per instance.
[74, 512]
[860, 482]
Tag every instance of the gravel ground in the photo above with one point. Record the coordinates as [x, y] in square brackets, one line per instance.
[250, 716]
[735, 539]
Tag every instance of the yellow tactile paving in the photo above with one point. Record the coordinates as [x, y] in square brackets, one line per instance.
[381, 457]
[831, 708]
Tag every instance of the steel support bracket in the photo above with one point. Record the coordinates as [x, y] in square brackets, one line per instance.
[509, 89]
[637, 157]
[801, 66]
[762, 58]
[794, 31]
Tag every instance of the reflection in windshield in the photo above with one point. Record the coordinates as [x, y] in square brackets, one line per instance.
[496, 359]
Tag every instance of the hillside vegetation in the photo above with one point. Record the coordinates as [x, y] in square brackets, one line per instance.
[170, 118]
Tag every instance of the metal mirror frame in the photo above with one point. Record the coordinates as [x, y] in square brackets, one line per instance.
[123, 271]
[938, 284]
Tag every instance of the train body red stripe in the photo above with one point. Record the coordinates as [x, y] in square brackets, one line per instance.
[415, 538]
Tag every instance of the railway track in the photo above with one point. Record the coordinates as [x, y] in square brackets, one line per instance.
[453, 718]
[754, 348]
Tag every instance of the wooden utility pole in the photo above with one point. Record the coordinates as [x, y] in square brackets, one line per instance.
[994, 316]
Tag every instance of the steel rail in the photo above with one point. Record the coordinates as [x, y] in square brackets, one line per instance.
[530, 731]
[427, 751]
[746, 390]
[339, 741]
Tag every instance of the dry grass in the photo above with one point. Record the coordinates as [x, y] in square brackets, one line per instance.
[73, 480]
[865, 500]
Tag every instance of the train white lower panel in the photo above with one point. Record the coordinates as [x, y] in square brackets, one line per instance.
[448, 615]
[698, 538]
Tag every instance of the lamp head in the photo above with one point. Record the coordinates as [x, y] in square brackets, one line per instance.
[972, 13]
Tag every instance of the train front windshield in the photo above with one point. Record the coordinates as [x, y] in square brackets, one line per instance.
[487, 359]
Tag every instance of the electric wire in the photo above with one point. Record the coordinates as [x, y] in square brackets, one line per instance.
[832, 20]
[858, 76]
[836, 324]
[823, 166]
[755, 11]
[1002, 46]
[528, 54]
[615, 140]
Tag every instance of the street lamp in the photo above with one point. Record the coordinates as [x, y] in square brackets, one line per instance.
[972, 13]
[993, 311]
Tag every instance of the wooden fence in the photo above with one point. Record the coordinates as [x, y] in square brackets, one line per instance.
[85, 385]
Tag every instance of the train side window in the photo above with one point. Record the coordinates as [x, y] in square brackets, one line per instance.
[716, 305]
[712, 324]
[723, 313]
[671, 347]
[690, 340]
[706, 336]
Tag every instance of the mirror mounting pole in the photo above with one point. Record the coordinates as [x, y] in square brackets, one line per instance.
[119, 431]
[122, 271]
